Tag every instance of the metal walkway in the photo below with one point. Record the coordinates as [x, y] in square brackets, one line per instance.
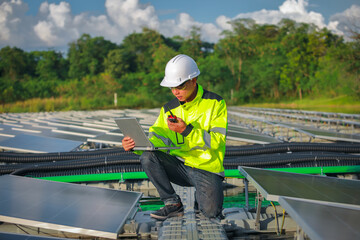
[191, 226]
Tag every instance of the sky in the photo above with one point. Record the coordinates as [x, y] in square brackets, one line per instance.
[42, 25]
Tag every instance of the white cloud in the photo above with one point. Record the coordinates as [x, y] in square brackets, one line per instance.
[130, 15]
[291, 9]
[14, 24]
[346, 21]
[55, 25]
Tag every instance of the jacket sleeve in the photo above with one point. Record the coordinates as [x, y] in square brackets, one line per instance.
[215, 137]
[159, 132]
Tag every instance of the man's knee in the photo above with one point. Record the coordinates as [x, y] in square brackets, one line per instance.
[211, 211]
[146, 158]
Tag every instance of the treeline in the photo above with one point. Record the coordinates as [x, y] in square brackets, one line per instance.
[251, 63]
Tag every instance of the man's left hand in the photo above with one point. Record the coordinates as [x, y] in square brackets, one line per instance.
[178, 126]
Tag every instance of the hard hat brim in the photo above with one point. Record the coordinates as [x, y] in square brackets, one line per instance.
[165, 83]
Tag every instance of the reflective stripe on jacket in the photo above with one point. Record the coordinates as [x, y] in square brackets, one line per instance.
[203, 141]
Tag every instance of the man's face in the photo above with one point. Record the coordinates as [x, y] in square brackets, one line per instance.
[184, 92]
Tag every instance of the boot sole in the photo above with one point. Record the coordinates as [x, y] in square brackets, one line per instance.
[173, 214]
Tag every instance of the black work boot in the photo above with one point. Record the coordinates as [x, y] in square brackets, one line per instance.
[171, 210]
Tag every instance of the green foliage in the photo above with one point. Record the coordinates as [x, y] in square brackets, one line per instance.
[15, 63]
[117, 62]
[50, 65]
[86, 55]
[252, 63]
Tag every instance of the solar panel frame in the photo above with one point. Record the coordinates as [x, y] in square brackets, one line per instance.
[324, 220]
[17, 236]
[273, 184]
[38, 144]
[66, 207]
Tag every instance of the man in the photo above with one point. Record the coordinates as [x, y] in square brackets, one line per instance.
[200, 130]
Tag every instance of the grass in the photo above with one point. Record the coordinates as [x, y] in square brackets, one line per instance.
[341, 104]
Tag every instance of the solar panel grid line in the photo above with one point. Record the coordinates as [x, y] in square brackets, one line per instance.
[106, 121]
[81, 129]
[62, 124]
[315, 119]
[99, 125]
[26, 122]
[312, 134]
[246, 140]
[252, 138]
[21, 150]
[74, 133]
[115, 132]
[7, 135]
[45, 127]
[295, 129]
[304, 112]
[337, 138]
[94, 140]
[26, 130]
[40, 120]
[10, 124]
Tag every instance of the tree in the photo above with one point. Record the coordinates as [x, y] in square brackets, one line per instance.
[15, 63]
[305, 47]
[118, 62]
[215, 75]
[141, 46]
[50, 65]
[161, 56]
[86, 55]
[236, 47]
[192, 46]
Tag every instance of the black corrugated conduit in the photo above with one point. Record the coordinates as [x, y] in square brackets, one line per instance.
[288, 159]
[270, 155]
[291, 147]
[105, 165]
[11, 157]
[323, 163]
[73, 164]
[117, 168]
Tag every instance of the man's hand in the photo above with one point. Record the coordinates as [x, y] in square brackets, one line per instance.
[128, 143]
[178, 126]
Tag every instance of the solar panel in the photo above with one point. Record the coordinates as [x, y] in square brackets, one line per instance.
[107, 139]
[326, 134]
[323, 220]
[14, 236]
[66, 207]
[38, 144]
[273, 184]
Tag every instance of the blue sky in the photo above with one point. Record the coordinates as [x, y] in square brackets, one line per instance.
[52, 24]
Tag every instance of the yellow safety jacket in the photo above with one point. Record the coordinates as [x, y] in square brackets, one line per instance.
[203, 141]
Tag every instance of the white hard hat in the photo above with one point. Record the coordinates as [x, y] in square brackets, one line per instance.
[178, 70]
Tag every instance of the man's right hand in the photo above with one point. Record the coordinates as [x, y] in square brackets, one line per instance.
[128, 143]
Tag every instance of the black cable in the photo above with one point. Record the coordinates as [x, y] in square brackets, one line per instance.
[277, 159]
[11, 157]
[291, 147]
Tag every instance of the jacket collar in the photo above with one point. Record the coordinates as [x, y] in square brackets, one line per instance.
[199, 94]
